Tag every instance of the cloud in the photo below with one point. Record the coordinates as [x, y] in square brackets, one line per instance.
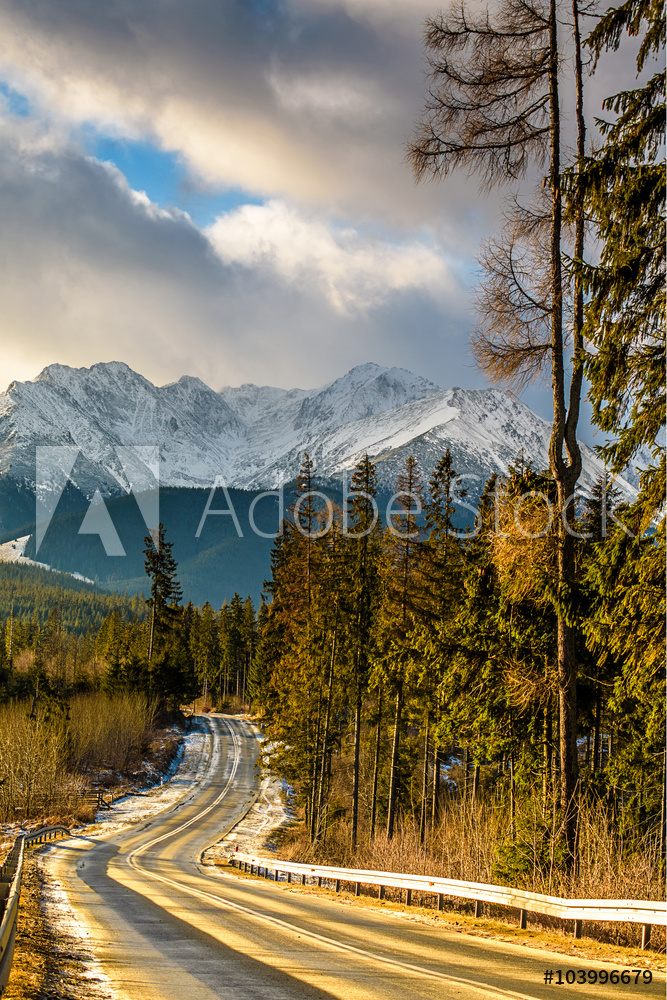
[352, 272]
[309, 101]
[91, 270]
[306, 104]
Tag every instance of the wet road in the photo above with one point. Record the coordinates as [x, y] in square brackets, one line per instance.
[164, 928]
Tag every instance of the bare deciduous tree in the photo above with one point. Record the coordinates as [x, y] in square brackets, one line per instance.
[493, 109]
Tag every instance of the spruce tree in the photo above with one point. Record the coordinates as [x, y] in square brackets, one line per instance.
[166, 592]
[399, 589]
[364, 555]
[623, 187]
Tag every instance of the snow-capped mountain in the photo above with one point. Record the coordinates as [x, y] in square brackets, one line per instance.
[254, 437]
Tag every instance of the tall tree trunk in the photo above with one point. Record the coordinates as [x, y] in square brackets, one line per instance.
[393, 779]
[325, 741]
[313, 793]
[435, 802]
[10, 650]
[512, 799]
[548, 737]
[663, 812]
[355, 776]
[151, 636]
[422, 817]
[565, 472]
[376, 766]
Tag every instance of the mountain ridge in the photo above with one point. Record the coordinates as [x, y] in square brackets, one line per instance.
[254, 436]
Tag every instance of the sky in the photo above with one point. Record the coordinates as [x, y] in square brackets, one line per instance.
[219, 188]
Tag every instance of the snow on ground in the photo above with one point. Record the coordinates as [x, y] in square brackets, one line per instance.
[13, 552]
[264, 816]
[187, 768]
[84, 979]
[83, 976]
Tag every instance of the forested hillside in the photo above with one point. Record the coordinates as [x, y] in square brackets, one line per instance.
[407, 679]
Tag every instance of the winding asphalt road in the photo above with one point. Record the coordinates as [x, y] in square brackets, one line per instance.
[164, 928]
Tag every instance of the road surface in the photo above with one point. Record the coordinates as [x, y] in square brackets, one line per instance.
[164, 927]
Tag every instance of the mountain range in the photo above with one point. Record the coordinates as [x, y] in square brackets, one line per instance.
[254, 436]
[101, 425]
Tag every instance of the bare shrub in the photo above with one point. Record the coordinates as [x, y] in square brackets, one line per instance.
[107, 733]
[33, 755]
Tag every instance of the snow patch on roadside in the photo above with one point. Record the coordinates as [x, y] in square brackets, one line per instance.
[252, 833]
[84, 977]
[187, 768]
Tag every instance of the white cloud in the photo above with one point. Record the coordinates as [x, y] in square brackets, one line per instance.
[313, 102]
[91, 270]
[355, 273]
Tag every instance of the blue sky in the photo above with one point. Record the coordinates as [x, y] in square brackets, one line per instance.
[164, 178]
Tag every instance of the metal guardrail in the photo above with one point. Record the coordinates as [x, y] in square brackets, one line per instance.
[10, 891]
[644, 912]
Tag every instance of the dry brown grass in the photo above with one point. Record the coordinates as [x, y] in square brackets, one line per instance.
[465, 846]
[47, 762]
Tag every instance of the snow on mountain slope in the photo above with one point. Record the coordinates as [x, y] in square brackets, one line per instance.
[254, 437]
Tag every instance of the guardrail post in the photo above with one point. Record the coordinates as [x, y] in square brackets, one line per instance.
[577, 928]
[408, 897]
[337, 885]
[522, 919]
[289, 877]
[303, 879]
[478, 907]
[441, 900]
[646, 935]
[357, 888]
[381, 892]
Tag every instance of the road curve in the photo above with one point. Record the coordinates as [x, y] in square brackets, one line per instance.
[164, 928]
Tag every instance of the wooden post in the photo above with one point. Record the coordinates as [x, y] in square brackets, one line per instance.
[478, 907]
[289, 877]
[381, 892]
[337, 885]
[522, 919]
[577, 928]
[357, 888]
[646, 935]
[441, 901]
[408, 897]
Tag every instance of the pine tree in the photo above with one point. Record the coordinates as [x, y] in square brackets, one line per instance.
[364, 556]
[165, 590]
[399, 607]
[623, 188]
